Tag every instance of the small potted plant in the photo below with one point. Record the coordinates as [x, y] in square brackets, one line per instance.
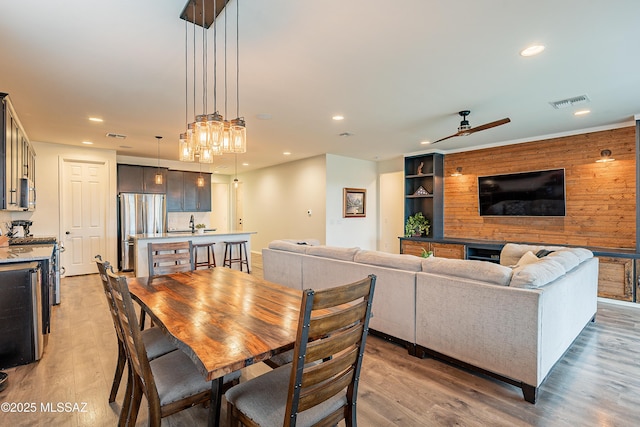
[200, 228]
[425, 253]
[416, 225]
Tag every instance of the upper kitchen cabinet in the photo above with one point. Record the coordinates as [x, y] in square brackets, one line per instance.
[17, 161]
[141, 179]
[184, 194]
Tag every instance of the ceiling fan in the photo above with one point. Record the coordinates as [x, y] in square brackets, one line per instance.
[465, 128]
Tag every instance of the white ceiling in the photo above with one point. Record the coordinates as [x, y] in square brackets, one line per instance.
[398, 71]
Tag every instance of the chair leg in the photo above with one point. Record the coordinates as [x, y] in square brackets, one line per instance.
[117, 377]
[126, 403]
[136, 398]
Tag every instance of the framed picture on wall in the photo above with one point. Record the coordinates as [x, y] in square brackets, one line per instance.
[354, 203]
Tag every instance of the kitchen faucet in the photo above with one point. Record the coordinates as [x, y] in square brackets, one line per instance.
[192, 225]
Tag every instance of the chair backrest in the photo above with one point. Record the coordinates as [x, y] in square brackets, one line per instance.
[103, 266]
[331, 336]
[132, 338]
[166, 258]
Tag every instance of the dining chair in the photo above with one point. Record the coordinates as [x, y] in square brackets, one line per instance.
[320, 386]
[167, 258]
[155, 341]
[171, 382]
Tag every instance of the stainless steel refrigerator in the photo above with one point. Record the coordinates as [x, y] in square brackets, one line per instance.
[139, 214]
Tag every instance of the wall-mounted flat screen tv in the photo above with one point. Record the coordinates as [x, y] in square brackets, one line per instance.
[537, 193]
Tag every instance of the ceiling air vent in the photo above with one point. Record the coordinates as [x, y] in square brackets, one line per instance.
[116, 135]
[570, 102]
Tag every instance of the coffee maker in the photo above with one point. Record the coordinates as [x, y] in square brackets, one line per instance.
[24, 223]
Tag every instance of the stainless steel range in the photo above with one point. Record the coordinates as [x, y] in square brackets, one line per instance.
[55, 259]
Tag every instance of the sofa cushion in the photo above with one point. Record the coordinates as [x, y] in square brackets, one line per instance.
[384, 259]
[537, 274]
[582, 253]
[345, 254]
[512, 252]
[566, 258]
[284, 245]
[469, 269]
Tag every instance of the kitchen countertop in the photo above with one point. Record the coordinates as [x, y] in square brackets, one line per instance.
[25, 253]
[174, 234]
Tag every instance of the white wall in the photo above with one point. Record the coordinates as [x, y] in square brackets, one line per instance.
[346, 172]
[276, 200]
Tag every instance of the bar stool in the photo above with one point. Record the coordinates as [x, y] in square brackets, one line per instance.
[242, 257]
[211, 256]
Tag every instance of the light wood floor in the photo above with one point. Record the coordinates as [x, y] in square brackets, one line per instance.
[597, 383]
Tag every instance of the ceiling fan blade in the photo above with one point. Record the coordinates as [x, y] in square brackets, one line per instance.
[446, 137]
[489, 125]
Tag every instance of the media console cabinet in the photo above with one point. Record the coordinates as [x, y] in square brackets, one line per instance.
[618, 276]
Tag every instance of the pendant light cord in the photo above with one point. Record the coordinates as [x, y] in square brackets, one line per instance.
[204, 61]
[237, 61]
[225, 63]
[215, 62]
[186, 73]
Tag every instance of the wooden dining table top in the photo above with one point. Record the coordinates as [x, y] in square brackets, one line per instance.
[223, 319]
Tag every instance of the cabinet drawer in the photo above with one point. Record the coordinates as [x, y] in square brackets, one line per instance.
[615, 278]
[448, 250]
[413, 247]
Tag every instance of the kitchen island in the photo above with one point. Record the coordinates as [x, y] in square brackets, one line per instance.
[140, 242]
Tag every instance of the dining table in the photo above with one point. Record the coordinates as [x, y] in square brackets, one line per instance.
[223, 319]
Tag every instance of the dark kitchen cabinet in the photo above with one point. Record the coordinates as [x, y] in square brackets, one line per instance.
[17, 161]
[184, 194]
[141, 179]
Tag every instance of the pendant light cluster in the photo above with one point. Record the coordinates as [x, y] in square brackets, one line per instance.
[210, 134]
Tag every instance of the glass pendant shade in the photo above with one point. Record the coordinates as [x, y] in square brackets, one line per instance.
[215, 126]
[201, 131]
[158, 178]
[238, 136]
[226, 138]
[206, 155]
[186, 152]
[200, 181]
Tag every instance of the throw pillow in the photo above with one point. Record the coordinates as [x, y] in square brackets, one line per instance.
[535, 275]
[526, 259]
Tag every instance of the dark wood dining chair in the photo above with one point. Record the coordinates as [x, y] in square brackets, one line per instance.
[167, 258]
[155, 341]
[320, 386]
[171, 382]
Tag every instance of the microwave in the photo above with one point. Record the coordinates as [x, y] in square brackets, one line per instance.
[27, 194]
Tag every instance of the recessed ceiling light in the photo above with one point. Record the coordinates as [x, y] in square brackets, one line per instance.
[338, 118]
[532, 50]
[425, 142]
[581, 112]
[245, 164]
[96, 119]
[87, 142]
[263, 116]
[287, 153]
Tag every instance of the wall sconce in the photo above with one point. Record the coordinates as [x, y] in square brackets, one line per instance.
[458, 172]
[605, 156]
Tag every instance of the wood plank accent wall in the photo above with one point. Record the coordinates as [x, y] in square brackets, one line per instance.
[601, 197]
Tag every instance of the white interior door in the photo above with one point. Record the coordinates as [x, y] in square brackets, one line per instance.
[83, 214]
[237, 207]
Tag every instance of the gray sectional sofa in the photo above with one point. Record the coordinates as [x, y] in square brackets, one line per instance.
[512, 320]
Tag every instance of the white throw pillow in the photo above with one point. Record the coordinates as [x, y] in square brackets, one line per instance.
[526, 259]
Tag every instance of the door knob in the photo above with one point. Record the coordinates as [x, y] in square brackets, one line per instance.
[67, 232]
